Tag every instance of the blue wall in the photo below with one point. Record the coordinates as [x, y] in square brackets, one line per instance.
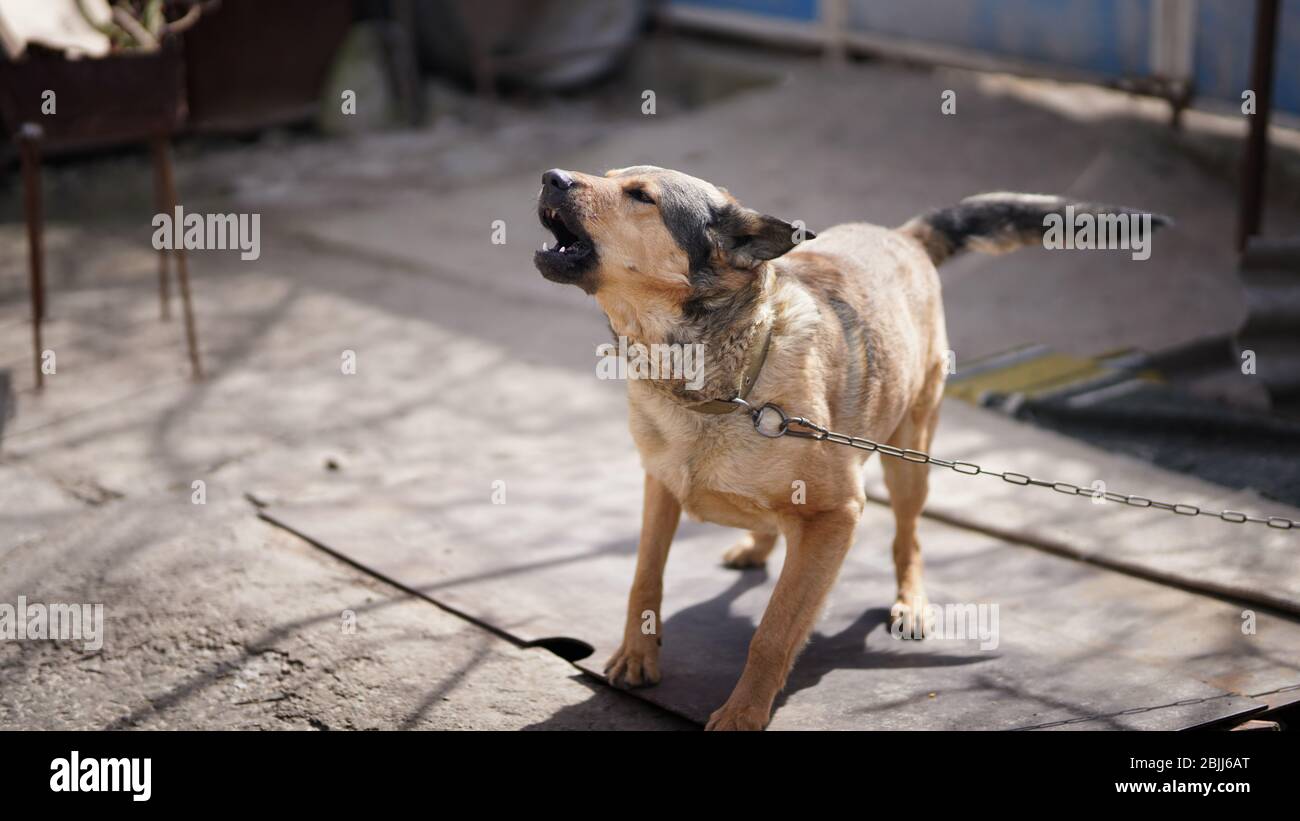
[1106, 37]
[787, 9]
[1109, 38]
[1224, 30]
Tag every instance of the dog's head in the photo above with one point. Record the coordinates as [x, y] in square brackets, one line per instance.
[643, 233]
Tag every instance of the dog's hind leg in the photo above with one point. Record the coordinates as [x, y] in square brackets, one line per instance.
[636, 663]
[909, 483]
[751, 551]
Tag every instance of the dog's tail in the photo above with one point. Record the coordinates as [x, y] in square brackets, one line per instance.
[1000, 222]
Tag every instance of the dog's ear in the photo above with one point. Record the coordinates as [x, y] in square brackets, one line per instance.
[746, 237]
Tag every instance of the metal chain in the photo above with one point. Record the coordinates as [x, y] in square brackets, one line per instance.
[812, 430]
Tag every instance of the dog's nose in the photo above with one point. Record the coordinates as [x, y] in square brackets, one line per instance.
[558, 179]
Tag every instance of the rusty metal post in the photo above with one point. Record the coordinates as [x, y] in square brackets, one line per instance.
[168, 188]
[29, 146]
[1255, 160]
[159, 146]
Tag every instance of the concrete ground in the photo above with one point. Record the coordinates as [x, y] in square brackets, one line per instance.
[381, 245]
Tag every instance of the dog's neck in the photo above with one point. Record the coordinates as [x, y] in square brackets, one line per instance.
[731, 320]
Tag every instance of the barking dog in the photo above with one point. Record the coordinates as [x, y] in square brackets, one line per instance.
[845, 329]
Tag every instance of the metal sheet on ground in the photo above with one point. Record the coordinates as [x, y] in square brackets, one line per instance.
[1250, 562]
[1076, 644]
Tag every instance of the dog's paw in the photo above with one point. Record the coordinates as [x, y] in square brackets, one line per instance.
[745, 554]
[635, 664]
[909, 617]
[728, 717]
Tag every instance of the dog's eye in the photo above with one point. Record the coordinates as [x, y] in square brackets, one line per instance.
[640, 195]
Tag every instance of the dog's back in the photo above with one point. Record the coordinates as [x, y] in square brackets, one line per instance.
[882, 290]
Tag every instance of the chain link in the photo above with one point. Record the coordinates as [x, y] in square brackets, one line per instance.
[811, 430]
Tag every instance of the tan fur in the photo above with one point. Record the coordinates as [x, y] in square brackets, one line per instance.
[643, 272]
[871, 367]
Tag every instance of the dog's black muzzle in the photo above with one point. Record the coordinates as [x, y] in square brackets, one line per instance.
[572, 259]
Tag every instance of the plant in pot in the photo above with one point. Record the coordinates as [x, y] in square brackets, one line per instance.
[135, 91]
[142, 25]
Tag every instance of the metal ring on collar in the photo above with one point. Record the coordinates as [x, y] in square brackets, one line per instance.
[781, 429]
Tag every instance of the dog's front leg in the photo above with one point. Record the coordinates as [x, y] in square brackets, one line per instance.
[815, 549]
[636, 663]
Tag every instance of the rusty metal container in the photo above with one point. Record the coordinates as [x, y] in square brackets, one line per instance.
[101, 102]
[252, 63]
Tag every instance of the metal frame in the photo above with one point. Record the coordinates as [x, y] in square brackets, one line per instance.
[30, 137]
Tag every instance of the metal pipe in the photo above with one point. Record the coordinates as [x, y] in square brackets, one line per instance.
[29, 146]
[168, 185]
[159, 146]
[1255, 160]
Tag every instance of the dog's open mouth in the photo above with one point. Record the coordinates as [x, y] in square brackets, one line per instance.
[567, 240]
[571, 254]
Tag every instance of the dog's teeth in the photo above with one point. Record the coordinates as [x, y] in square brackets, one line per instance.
[544, 248]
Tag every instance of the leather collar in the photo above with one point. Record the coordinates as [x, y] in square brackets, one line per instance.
[747, 380]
